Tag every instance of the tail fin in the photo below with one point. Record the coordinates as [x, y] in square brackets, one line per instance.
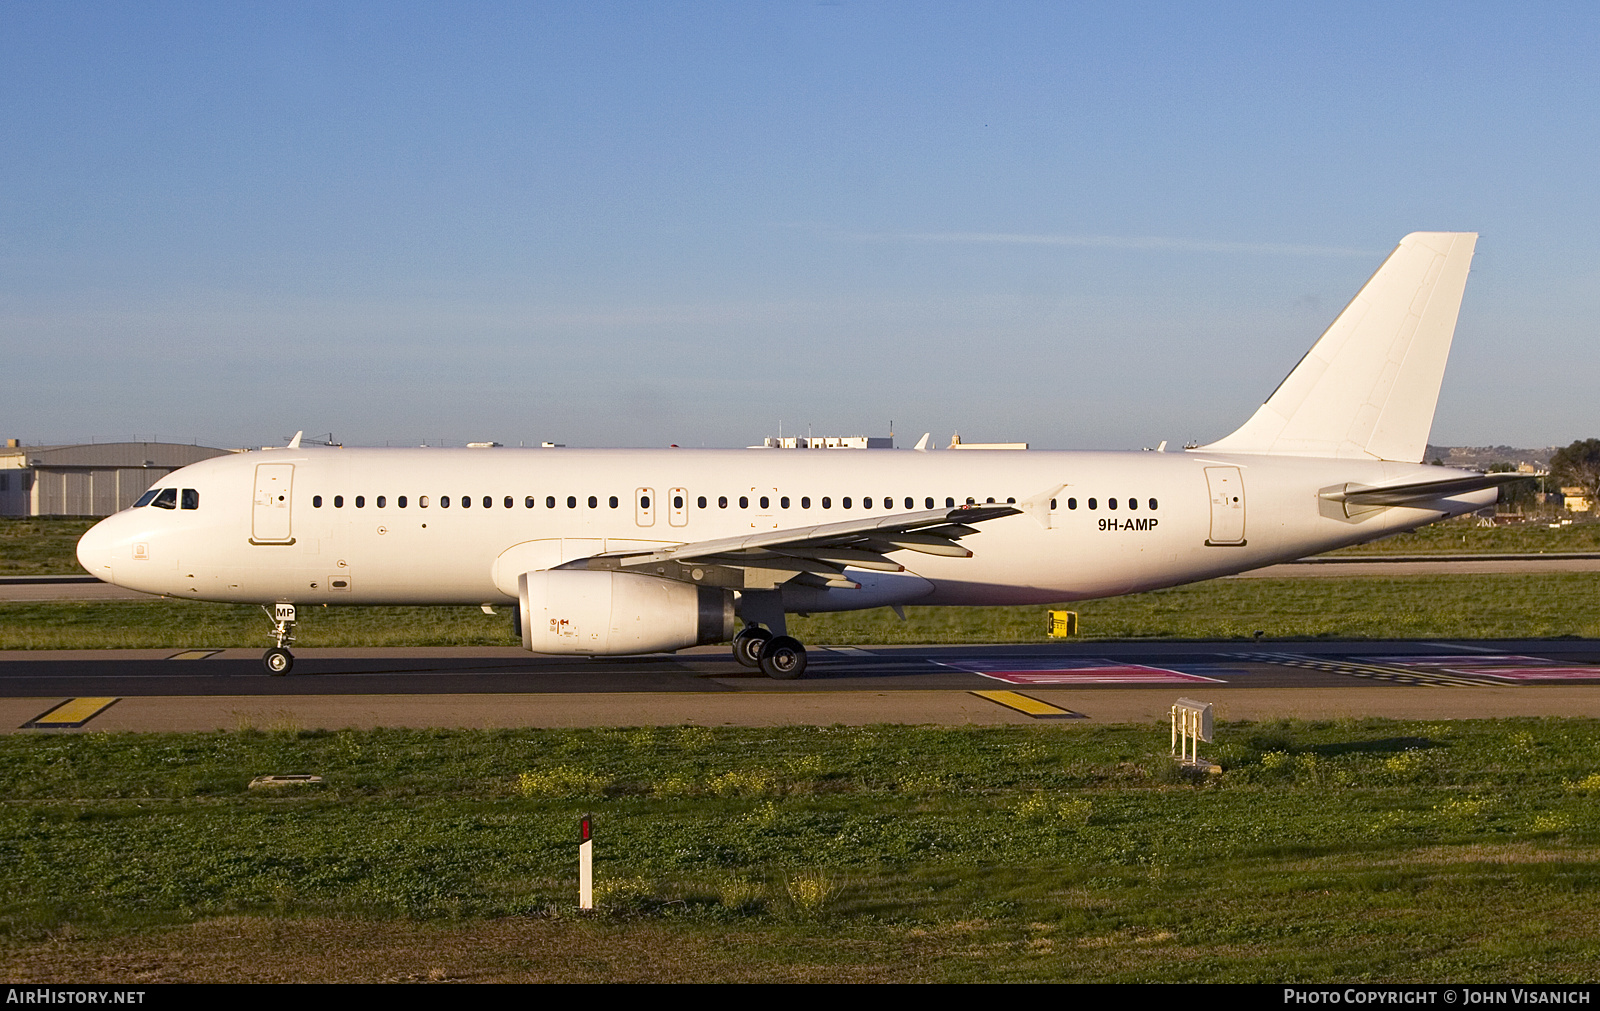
[1368, 387]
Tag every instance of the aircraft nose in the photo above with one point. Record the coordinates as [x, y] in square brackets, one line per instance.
[94, 551]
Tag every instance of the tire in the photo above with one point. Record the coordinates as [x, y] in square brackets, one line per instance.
[748, 644]
[278, 661]
[783, 658]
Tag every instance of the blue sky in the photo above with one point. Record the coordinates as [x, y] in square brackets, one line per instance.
[1079, 225]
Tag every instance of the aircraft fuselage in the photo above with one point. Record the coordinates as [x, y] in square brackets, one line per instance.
[372, 526]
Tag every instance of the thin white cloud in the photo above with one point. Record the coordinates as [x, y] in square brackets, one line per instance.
[1153, 242]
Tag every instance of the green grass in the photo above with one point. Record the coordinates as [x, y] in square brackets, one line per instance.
[1467, 606]
[1464, 536]
[40, 546]
[1353, 850]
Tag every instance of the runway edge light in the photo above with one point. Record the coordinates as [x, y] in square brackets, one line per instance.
[1192, 723]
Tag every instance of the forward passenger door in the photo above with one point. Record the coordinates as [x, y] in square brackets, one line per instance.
[269, 520]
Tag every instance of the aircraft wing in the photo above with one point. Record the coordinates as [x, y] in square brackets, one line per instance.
[811, 556]
[1418, 491]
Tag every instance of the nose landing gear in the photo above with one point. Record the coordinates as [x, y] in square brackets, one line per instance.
[278, 660]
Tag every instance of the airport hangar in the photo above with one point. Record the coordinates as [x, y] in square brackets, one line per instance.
[96, 479]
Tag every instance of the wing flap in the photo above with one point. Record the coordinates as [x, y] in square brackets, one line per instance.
[814, 556]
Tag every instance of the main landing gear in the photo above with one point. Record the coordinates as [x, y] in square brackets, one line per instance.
[278, 660]
[764, 642]
[778, 656]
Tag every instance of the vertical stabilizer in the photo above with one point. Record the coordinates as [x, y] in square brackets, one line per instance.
[1368, 387]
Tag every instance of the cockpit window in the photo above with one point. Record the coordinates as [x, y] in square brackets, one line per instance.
[166, 498]
[191, 498]
[146, 498]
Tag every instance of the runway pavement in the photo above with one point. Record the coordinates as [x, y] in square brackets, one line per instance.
[1078, 682]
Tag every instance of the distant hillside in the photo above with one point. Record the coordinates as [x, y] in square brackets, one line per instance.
[1482, 457]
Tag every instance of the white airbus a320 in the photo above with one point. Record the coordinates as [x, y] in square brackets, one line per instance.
[608, 552]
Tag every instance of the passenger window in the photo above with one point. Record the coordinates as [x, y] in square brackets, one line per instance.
[1072, 503]
[191, 499]
[805, 501]
[550, 502]
[1093, 504]
[722, 501]
[1111, 503]
[612, 501]
[1152, 503]
[911, 503]
[444, 501]
[764, 502]
[949, 503]
[488, 502]
[971, 500]
[644, 501]
[401, 501]
[1133, 503]
[422, 502]
[929, 502]
[338, 501]
[744, 502]
[701, 502]
[677, 501]
[466, 501]
[594, 503]
[866, 502]
[381, 501]
[844, 503]
[528, 503]
[361, 501]
[508, 501]
[827, 503]
[572, 501]
[316, 501]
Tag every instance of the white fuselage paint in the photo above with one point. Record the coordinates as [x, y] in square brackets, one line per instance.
[257, 537]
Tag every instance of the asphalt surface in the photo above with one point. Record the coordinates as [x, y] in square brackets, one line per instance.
[1081, 664]
[1085, 681]
[1097, 681]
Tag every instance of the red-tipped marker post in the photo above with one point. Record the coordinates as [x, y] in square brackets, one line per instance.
[585, 863]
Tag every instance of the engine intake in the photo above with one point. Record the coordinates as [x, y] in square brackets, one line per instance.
[608, 613]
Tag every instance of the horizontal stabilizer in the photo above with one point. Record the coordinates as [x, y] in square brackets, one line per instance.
[1368, 388]
[1419, 491]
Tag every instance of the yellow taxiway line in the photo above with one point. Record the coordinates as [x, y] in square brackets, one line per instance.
[1023, 704]
[71, 714]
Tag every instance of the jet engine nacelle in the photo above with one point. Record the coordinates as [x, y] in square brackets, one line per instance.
[592, 611]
